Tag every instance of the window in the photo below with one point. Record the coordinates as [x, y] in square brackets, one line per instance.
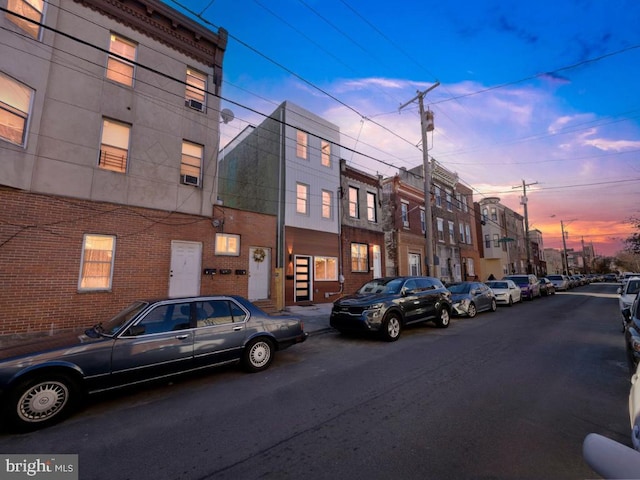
[325, 152]
[15, 105]
[96, 270]
[494, 214]
[467, 229]
[227, 244]
[372, 214]
[415, 264]
[438, 195]
[423, 220]
[487, 241]
[301, 144]
[449, 202]
[452, 233]
[471, 268]
[165, 318]
[327, 208]
[465, 205]
[359, 257]
[114, 148]
[485, 214]
[120, 67]
[404, 213]
[496, 240]
[462, 237]
[302, 198]
[31, 9]
[191, 163]
[440, 222]
[218, 312]
[196, 91]
[354, 207]
[326, 269]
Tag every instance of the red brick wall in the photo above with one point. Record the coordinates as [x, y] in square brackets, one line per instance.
[354, 280]
[41, 246]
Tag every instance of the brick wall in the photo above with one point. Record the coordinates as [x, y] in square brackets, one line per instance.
[41, 240]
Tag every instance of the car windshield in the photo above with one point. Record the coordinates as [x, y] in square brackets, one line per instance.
[459, 288]
[498, 285]
[633, 287]
[381, 285]
[113, 326]
[554, 277]
[520, 280]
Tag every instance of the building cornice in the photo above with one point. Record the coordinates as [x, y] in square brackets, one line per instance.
[155, 20]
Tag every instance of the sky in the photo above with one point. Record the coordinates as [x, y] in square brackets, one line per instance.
[544, 93]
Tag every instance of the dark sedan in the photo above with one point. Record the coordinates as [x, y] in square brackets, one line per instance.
[547, 287]
[41, 381]
[386, 305]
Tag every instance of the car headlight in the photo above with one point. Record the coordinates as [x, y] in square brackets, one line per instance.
[635, 344]
[376, 306]
[465, 302]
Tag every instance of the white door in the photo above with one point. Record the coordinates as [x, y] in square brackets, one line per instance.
[184, 277]
[259, 273]
[377, 262]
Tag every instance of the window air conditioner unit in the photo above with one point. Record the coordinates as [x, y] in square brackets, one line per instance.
[190, 180]
[195, 104]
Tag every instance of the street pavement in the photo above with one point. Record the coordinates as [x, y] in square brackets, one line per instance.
[314, 316]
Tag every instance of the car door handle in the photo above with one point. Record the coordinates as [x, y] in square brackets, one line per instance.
[182, 337]
[237, 329]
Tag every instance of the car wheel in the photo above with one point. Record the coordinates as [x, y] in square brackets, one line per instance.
[444, 318]
[391, 327]
[471, 311]
[41, 401]
[494, 305]
[258, 355]
[510, 303]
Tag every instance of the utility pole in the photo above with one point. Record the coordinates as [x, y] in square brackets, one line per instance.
[426, 125]
[523, 201]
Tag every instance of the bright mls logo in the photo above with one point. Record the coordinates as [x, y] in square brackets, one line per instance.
[50, 467]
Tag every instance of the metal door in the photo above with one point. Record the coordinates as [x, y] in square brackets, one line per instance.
[184, 277]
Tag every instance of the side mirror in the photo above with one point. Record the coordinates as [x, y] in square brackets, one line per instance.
[619, 290]
[626, 313]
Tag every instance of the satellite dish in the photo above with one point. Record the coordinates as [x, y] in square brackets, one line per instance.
[226, 115]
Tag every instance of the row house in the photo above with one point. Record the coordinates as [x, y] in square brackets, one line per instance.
[288, 167]
[536, 248]
[109, 124]
[456, 256]
[361, 227]
[503, 239]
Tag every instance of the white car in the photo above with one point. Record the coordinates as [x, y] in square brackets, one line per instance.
[634, 409]
[628, 292]
[506, 291]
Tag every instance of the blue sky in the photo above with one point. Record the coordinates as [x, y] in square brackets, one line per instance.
[544, 92]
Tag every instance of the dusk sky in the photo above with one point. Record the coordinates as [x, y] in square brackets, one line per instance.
[544, 92]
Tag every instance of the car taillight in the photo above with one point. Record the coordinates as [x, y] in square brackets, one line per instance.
[301, 325]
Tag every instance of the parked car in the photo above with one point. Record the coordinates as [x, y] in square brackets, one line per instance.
[560, 282]
[610, 459]
[471, 298]
[387, 305]
[634, 409]
[528, 283]
[506, 291]
[547, 287]
[631, 327]
[41, 381]
[628, 292]
[610, 277]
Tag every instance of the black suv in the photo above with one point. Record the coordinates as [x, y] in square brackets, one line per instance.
[386, 305]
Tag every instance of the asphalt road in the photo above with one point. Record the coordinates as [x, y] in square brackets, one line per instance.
[506, 395]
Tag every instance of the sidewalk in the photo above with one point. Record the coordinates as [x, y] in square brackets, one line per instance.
[315, 316]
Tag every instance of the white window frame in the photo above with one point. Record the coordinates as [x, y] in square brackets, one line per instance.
[302, 198]
[15, 97]
[438, 195]
[423, 220]
[325, 153]
[462, 234]
[116, 59]
[196, 87]
[359, 257]
[106, 141]
[372, 210]
[440, 223]
[467, 229]
[31, 9]
[191, 160]
[327, 204]
[404, 213]
[354, 202]
[452, 232]
[84, 280]
[227, 244]
[302, 143]
[330, 269]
